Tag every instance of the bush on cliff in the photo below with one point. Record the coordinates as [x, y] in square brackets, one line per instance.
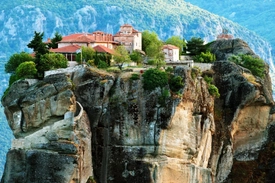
[176, 83]
[212, 89]
[15, 60]
[255, 65]
[51, 61]
[205, 57]
[154, 78]
[26, 70]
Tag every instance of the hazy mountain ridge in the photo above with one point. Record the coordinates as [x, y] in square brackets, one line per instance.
[255, 15]
[166, 19]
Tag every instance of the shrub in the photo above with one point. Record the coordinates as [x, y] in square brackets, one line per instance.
[213, 90]
[15, 60]
[205, 57]
[51, 61]
[169, 70]
[26, 70]
[12, 79]
[102, 65]
[255, 65]
[195, 72]
[90, 63]
[208, 79]
[176, 83]
[134, 76]
[164, 95]
[154, 78]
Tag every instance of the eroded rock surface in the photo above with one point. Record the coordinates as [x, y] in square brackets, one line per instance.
[53, 136]
[124, 133]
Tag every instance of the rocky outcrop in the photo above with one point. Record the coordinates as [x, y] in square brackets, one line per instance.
[91, 123]
[242, 113]
[137, 135]
[138, 138]
[53, 136]
[223, 49]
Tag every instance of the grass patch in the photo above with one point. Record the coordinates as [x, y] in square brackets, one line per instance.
[251, 79]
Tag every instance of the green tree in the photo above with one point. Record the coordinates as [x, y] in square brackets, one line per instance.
[26, 70]
[154, 78]
[51, 61]
[40, 48]
[195, 46]
[55, 40]
[151, 44]
[177, 41]
[176, 83]
[87, 53]
[205, 57]
[136, 57]
[15, 60]
[37, 44]
[121, 56]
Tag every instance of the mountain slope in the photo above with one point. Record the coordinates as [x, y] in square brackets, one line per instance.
[255, 15]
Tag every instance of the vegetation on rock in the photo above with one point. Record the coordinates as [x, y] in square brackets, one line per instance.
[52, 61]
[255, 65]
[26, 70]
[212, 89]
[15, 60]
[153, 78]
[205, 57]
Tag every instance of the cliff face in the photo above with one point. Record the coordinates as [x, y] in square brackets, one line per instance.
[90, 123]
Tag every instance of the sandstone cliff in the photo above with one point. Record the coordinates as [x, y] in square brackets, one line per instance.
[87, 123]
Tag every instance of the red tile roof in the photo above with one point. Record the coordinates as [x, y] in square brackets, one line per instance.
[169, 47]
[97, 36]
[66, 49]
[104, 49]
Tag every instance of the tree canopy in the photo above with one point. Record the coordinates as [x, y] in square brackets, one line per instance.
[15, 60]
[37, 44]
[136, 57]
[52, 61]
[87, 53]
[55, 40]
[40, 48]
[205, 57]
[121, 56]
[255, 65]
[177, 41]
[151, 44]
[195, 46]
[26, 70]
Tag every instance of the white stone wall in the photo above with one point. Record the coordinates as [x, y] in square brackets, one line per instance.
[203, 66]
[137, 44]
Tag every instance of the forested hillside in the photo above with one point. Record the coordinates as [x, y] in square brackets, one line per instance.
[19, 19]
